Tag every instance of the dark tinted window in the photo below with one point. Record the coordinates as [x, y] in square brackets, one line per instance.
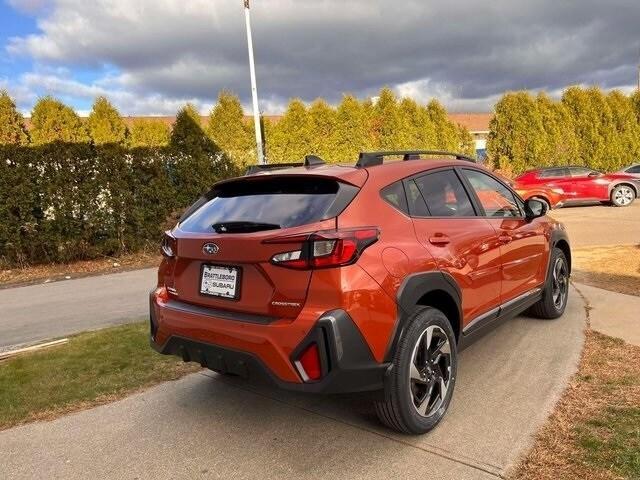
[444, 194]
[580, 171]
[394, 194]
[635, 169]
[417, 206]
[496, 199]
[553, 173]
[285, 202]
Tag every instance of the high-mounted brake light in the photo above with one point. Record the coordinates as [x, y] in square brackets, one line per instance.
[324, 249]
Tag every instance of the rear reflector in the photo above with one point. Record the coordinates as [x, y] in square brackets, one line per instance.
[308, 364]
[324, 249]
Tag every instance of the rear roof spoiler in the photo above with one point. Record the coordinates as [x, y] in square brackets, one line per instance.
[309, 162]
[370, 159]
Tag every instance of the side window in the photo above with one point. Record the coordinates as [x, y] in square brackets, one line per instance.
[445, 195]
[417, 207]
[554, 173]
[635, 169]
[580, 172]
[496, 199]
[394, 194]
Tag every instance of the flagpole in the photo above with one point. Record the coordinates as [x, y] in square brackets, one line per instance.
[254, 88]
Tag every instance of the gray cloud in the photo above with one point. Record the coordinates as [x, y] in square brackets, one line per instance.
[465, 52]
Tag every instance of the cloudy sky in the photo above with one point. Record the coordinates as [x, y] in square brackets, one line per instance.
[151, 56]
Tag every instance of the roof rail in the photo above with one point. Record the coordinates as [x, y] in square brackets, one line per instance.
[309, 161]
[370, 159]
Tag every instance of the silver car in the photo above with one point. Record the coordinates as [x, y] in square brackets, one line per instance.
[633, 170]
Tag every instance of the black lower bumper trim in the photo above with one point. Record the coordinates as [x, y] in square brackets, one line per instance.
[350, 367]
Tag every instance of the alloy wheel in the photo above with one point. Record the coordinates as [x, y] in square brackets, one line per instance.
[560, 283]
[430, 371]
[623, 196]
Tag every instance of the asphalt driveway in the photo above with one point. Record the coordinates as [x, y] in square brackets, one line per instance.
[41, 312]
[596, 225]
[208, 426]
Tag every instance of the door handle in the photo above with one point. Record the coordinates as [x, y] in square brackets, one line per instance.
[439, 239]
[504, 239]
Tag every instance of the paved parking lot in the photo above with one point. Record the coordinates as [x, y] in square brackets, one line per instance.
[595, 225]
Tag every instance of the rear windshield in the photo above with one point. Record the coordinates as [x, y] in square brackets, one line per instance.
[269, 203]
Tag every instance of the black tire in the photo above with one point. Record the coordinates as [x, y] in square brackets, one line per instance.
[622, 196]
[544, 201]
[399, 410]
[556, 288]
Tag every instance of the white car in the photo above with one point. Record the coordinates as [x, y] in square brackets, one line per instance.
[633, 170]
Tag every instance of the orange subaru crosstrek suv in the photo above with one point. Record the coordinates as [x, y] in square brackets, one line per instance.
[371, 277]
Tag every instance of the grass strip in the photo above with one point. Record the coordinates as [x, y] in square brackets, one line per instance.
[594, 432]
[93, 368]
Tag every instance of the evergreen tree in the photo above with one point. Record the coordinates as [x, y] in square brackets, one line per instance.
[149, 133]
[105, 125]
[197, 163]
[627, 129]
[447, 136]
[12, 129]
[187, 132]
[467, 143]
[586, 121]
[229, 131]
[516, 135]
[290, 138]
[52, 121]
[323, 123]
[635, 101]
[351, 133]
[560, 145]
[387, 123]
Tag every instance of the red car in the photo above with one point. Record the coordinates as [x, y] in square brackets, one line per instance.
[327, 278]
[577, 185]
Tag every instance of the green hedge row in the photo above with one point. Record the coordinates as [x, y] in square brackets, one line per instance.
[66, 201]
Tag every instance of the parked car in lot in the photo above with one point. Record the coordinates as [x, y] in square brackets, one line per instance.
[581, 185]
[633, 170]
[551, 197]
[326, 278]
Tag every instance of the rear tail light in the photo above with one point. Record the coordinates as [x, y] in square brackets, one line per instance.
[169, 245]
[308, 364]
[324, 249]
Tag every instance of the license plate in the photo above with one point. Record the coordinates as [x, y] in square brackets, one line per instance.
[220, 281]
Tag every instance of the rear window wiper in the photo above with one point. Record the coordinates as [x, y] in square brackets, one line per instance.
[244, 227]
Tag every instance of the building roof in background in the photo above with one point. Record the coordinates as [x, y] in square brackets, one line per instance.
[474, 122]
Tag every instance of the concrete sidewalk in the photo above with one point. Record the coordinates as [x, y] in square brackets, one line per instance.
[208, 426]
[45, 311]
[614, 314]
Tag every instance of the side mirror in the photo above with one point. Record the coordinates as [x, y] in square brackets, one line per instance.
[534, 208]
[594, 174]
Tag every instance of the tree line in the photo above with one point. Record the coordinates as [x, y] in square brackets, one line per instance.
[73, 188]
[585, 127]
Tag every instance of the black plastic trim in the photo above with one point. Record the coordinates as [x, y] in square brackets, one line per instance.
[478, 328]
[347, 362]
[412, 289]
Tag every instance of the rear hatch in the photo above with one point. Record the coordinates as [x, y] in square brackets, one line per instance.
[222, 249]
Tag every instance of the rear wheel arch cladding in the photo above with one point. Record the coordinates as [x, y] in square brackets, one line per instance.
[436, 289]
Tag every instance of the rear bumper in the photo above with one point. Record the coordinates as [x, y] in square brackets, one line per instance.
[347, 363]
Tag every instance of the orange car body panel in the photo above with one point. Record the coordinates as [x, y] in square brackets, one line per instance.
[491, 260]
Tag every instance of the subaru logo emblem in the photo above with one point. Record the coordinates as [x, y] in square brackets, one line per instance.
[210, 248]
